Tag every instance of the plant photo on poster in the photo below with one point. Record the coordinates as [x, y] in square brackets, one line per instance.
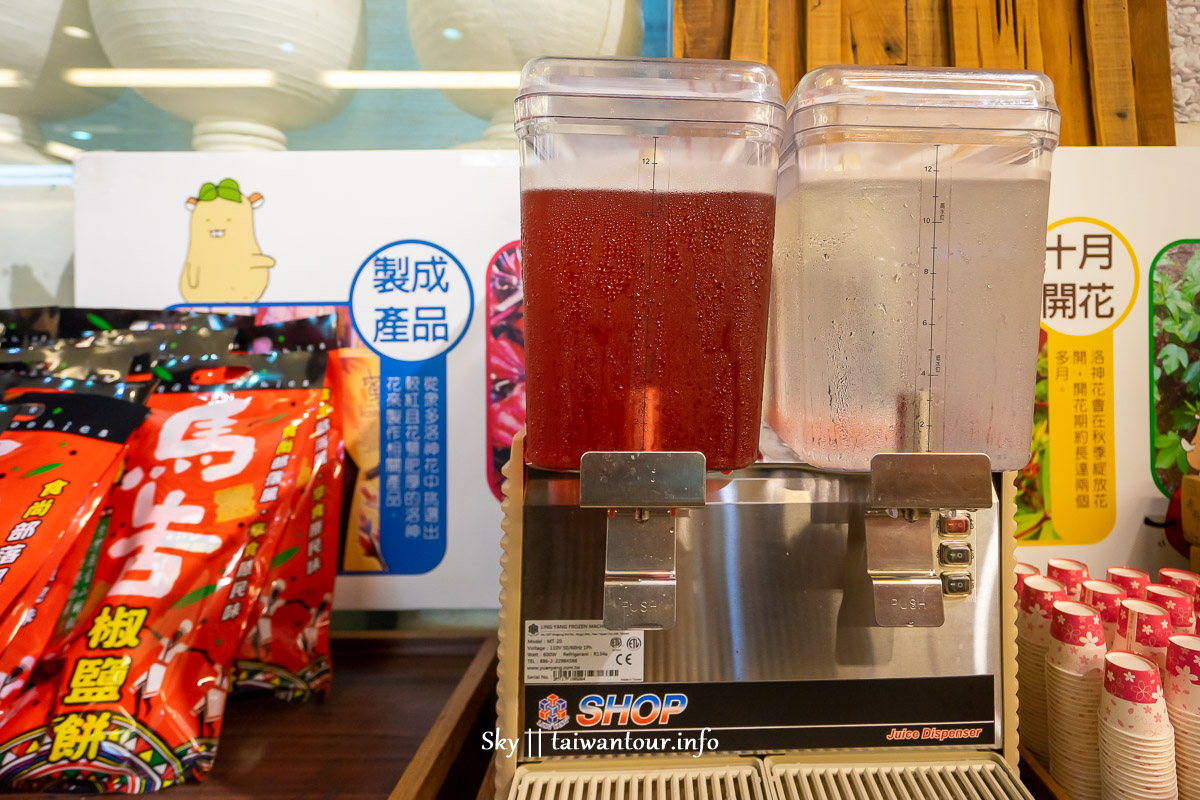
[1175, 363]
[1033, 481]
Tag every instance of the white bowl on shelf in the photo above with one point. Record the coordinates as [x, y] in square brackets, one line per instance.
[502, 35]
[38, 42]
[296, 41]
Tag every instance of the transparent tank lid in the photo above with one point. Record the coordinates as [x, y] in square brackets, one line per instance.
[922, 98]
[665, 89]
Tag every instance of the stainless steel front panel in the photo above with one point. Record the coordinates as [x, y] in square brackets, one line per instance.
[772, 584]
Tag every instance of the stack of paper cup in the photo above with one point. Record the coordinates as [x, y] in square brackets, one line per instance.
[1182, 678]
[1137, 742]
[1178, 603]
[1073, 686]
[1021, 572]
[1033, 640]
[1183, 702]
[1070, 573]
[1106, 598]
[1133, 581]
[1144, 628]
[1180, 579]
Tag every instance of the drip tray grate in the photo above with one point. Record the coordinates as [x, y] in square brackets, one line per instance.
[977, 779]
[732, 780]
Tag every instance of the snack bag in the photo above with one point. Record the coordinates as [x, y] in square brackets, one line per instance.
[309, 334]
[86, 438]
[354, 378]
[22, 326]
[47, 609]
[132, 699]
[57, 462]
[286, 648]
[79, 322]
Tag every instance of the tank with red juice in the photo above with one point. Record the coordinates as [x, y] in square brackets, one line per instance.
[646, 247]
[645, 331]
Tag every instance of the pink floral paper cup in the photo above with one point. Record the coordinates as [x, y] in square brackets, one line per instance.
[1105, 597]
[1178, 603]
[1133, 700]
[1037, 601]
[1133, 581]
[1182, 675]
[1021, 572]
[1070, 573]
[1076, 637]
[1142, 624]
[1180, 579]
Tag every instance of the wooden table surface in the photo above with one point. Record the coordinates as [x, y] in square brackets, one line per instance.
[387, 693]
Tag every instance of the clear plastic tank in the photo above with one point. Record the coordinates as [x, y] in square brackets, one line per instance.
[909, 252]
[647, 218]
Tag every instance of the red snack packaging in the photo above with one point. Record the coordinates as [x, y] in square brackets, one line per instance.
[286, 648]
[57, 463]
[21, 326]
[132, 699]
[48, 608]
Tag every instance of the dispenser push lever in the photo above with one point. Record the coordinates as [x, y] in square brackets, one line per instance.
[647, 495]
[919, 532]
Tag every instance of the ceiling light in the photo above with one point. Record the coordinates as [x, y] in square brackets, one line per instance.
[171, 78]
[422, 79]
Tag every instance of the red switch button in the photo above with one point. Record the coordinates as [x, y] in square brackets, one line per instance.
[957, 525]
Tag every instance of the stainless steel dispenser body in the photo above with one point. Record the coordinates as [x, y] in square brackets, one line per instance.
[776, 644]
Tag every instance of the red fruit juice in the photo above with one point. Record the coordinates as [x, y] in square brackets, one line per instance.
[645, 322]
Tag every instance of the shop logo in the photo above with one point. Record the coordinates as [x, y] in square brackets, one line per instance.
[641, 710]
[552, 713]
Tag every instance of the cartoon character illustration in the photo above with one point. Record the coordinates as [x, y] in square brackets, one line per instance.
[318, 616]
[16, 679]
[211, 707]
[224, 261]
[260, 635]
[150, 683]
[1192, 447]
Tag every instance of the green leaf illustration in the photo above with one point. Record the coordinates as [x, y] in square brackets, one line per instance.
[42, 468]
[1173, 358]
[1044, 480]
[1169, 439]
[99, 322]
[195, 596]
[207, 192]
[229, 190]
[284, 557]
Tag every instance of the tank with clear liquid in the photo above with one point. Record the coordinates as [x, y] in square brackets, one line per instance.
[909, 253]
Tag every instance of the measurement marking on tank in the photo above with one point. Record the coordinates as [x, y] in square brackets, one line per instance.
[935, 198]
[939, 215]
[644, 422]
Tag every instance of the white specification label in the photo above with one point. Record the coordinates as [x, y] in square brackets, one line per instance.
[581, 651]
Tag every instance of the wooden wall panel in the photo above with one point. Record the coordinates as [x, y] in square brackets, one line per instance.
[822, 33]
[1151, 72]
[928, 33]
[1109, 59]
[748, 40]
[1110, 63]
[784, 38]
[1064, 50]
[996, 34]
[874, 32]
[703, 28]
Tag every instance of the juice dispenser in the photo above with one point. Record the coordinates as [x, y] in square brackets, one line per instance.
[647, 213]
[909, 252]
[713, 626]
